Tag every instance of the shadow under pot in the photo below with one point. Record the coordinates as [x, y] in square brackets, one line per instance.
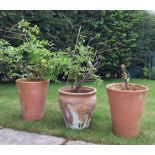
[126, 107]
[32, 95]
[77, 108]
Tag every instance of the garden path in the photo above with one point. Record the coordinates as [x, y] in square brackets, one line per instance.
[15, 137]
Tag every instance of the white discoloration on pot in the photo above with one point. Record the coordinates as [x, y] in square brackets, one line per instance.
[76, 122]
[75, 119]
[67, 114]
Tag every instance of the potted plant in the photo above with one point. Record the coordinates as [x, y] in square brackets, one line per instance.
[36, 65]
[77, 102]
[126, 105]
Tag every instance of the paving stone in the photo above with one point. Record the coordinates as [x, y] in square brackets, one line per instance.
[78, 143]
[10, 136]
[15, 137]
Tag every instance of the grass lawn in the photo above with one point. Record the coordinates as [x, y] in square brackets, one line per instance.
[100, 130]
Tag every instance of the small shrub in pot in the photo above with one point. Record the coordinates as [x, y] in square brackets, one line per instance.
[36, 65]
[78, 102]
[126, 105]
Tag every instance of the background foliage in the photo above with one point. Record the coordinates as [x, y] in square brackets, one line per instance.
[121, 36]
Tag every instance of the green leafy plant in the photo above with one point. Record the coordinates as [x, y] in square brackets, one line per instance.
[149, 72]
[31, 60]
[117, 31]
[152, 73]
[82, 64]
[8, 59]
[146, 72]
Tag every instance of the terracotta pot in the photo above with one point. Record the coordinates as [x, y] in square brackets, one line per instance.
[126, 107]
[77, 108]
[32, 97]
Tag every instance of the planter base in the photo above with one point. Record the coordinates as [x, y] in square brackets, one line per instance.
[31, 117]
[126, 132]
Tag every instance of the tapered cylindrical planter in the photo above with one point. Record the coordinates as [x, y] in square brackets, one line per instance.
[126, 107]
[32, 97]
[77, 108]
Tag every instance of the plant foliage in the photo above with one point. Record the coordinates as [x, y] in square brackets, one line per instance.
[31, 59]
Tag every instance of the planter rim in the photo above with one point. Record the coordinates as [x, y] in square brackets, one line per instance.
[127, 91]
[25, 81]
[61, 91]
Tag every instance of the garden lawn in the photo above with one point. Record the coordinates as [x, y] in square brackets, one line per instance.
[100, 130]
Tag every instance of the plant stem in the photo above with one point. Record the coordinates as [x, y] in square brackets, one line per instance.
[77, 39]
[126, 85]
[125, 76]
[73, 55]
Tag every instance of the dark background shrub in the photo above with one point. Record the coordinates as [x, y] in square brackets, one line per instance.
[121, 36]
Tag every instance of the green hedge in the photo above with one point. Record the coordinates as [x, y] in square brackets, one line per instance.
[117, 33]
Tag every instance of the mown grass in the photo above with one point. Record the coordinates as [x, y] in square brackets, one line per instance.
[100, 130]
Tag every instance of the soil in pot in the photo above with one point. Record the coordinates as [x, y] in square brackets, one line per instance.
[77, 108]
[32, 97]
[126, 107]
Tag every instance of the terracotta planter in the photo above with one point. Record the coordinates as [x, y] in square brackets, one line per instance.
[126, 107]
[32, 97]
[77, 108]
